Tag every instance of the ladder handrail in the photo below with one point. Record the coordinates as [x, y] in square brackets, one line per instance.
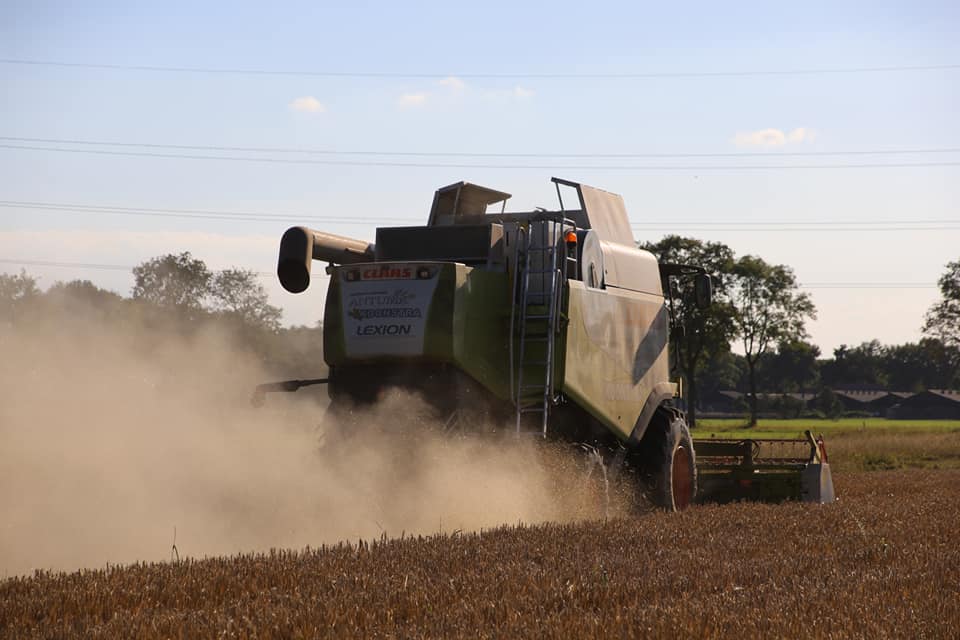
[549, 295]
[513, 308]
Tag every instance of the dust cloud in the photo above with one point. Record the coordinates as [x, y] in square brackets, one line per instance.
[112, 439]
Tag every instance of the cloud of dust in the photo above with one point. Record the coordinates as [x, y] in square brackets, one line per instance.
[110, 438]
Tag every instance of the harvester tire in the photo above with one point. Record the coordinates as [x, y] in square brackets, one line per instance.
[668, 463]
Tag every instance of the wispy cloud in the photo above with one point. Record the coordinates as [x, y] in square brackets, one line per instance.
[409, 100]
[504, 95]
[454, 91]
[522, 93]
[773, 137]
[453, 83]
[308, 104]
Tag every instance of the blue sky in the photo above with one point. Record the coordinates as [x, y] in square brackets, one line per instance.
[455, 111]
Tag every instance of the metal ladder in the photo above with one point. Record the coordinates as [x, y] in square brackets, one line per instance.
[536, 315]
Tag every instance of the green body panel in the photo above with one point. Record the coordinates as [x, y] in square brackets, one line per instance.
[334, 350]
[609, 354]
[616, 353]
[467, 324]
[481, 328]
[439, 338]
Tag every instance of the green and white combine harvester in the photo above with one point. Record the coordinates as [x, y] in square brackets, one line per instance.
[550, 324]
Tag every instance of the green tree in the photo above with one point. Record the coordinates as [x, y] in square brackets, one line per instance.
[16, 291]
[179, 281]
[861, 365]
[706, 332]
[769, 309]
[943, 318]
[828, 404]
[723, 371]
[929, 364]
[239, 293]
[82, 291]
[792, 368]
[81, 299]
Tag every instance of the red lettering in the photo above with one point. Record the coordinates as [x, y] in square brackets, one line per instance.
[387, 273]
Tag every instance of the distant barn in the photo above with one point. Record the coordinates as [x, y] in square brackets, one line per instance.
[875, 401]
[934, 404]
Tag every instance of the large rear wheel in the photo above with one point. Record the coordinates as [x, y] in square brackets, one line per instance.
[668, 462]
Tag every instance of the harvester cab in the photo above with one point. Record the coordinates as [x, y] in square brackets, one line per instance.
[552, 322]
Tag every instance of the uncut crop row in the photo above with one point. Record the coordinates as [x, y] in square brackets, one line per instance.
[884, 561]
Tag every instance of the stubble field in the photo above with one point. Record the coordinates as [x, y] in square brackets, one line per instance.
[881, 562]
[118, 441]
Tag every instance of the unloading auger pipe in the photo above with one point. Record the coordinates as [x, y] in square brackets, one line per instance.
[300, 246]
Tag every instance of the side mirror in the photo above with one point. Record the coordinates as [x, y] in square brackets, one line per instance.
[703, 291]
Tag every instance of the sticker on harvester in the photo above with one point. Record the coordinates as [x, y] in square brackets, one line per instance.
[385, 317]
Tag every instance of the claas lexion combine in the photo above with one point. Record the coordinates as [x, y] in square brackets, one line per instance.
[551, 324]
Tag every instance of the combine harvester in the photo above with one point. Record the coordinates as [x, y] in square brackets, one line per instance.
[550, 324]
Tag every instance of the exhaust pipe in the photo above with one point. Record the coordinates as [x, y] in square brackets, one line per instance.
[300, 245]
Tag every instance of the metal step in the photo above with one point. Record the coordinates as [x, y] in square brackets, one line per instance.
[537, 314]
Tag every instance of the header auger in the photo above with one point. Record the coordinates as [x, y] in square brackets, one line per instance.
[551, 322]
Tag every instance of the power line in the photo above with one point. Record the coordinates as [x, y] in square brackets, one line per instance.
[676, 228]
[489, 76]
[804, 222]
[459, 154]
[811, 285]
[115, 267]
[203, 214]
[831, 225]
[868, 285]
[79, 265]
[87, 265]
[434, 165]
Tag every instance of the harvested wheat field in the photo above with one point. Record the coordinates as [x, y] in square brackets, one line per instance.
[882, 562]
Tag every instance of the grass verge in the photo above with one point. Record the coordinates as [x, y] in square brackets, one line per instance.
[857, 444]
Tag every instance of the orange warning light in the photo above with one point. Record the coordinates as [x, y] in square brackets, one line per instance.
[571, 237]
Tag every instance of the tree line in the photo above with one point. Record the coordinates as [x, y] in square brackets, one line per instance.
[174, 294]
[757, 306]
[760, 307]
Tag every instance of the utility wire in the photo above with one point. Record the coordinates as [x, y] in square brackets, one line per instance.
[435, 165]
[831, 225]
[459, 154]
[196, 213]
[491, 76]
[867, 285]
[115, 267]
[79, 265]
[811, 285]
[674, 229]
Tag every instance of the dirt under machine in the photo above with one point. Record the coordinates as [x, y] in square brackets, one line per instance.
[551, 324]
